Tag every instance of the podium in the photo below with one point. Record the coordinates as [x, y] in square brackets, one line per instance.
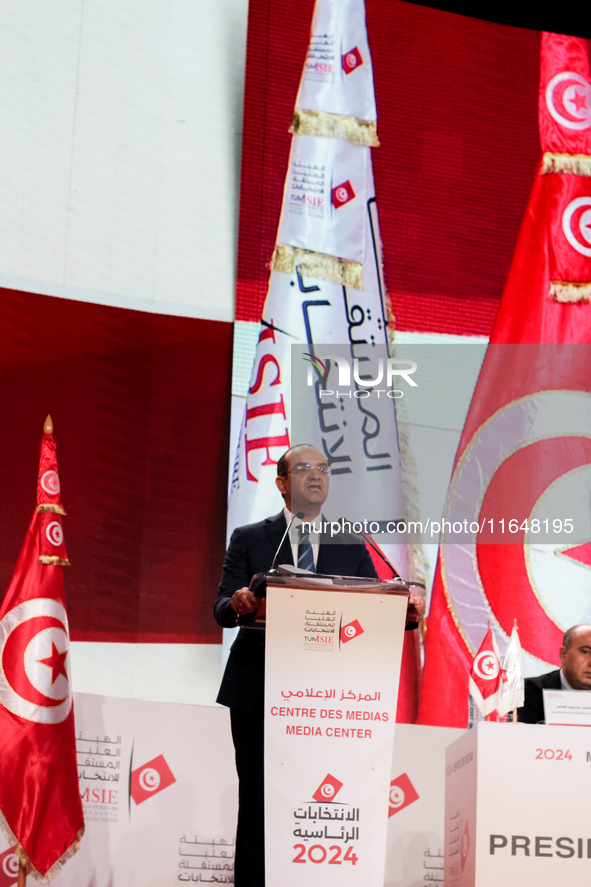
[332, 666]
[516, 807]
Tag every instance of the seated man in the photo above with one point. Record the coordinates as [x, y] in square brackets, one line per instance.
[302, 480]
[575, 674]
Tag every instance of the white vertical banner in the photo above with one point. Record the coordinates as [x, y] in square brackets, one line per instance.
[338, 75]
[326, 285]
[331, 687]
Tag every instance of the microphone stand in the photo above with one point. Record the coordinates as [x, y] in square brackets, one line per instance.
[371, 543]
[300, 515]
[258, 583]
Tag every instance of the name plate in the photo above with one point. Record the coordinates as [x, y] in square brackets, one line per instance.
[571, 708]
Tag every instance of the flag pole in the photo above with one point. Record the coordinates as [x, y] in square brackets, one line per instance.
[487, 717]
[22, 872]
[514, 710]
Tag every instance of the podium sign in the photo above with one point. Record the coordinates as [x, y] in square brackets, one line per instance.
[332, 668]
[516, 807]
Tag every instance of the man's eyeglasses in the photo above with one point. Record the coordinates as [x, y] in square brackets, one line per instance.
[305, 467]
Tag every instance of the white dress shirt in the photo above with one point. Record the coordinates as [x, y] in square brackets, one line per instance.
[295, 534]
[563, 681]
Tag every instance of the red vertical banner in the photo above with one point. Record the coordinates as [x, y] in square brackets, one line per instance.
[527, 438]
[40, 806]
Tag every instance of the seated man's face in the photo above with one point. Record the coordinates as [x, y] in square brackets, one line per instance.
[576, 661]
[305, 487]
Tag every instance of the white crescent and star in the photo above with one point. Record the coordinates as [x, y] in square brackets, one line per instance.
[577, 226]
[397, 796]
[542, 416]
[34, 673]
[553, 568]
[50, 482]
[54, 533]
[486, 665]
[571, 105]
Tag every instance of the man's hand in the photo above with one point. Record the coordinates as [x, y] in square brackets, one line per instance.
[416, 609]
[243, 601]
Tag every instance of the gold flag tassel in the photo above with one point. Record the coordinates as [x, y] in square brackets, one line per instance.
[335, 126]
[23, 856]
[48, 506]
[53, 559]
[566, 291]
[319, 265]
[569, 164]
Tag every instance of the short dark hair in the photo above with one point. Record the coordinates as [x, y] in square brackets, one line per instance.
[569, 634]
[282, 463]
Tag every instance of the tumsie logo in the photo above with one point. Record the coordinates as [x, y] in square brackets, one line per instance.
[8, 868]
[150, 779]
[328, 789]
[351, 631]
[352, 60]
[402, 793]
[342, 194]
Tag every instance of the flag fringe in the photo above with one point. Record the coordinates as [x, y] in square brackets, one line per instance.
[54, 560]
[335, 126]
[24, 858]
[567, 291]
[49, 507]
[319, 265]
[570, 164]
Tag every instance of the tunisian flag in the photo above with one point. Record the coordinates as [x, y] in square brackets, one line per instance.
[485, 675]
[522, 475]
[40, 806]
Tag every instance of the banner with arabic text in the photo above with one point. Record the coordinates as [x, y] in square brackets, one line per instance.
[331, 687]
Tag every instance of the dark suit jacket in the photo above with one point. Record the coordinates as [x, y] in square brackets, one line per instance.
[251, 550]
[533, 704]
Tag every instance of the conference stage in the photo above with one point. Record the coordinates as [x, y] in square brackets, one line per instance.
[306, 288]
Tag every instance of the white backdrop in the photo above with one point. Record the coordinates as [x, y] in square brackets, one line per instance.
[120, 141]
[153, 843]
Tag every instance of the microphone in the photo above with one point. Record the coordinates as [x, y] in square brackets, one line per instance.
[395, 573]
[300, 515]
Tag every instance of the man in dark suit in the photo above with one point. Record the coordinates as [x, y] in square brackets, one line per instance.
[302, 480]
[575, 674]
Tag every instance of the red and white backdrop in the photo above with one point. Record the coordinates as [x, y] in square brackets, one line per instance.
[116, 265]
[457, 122]
[119, 137]
[460, 146]
[117, 276]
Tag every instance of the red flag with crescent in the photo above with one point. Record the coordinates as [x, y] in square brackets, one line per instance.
[40, 806]
[485, 675]
[564, 103]
[522, 474]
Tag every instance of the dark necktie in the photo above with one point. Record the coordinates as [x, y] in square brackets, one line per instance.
[305, 553]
